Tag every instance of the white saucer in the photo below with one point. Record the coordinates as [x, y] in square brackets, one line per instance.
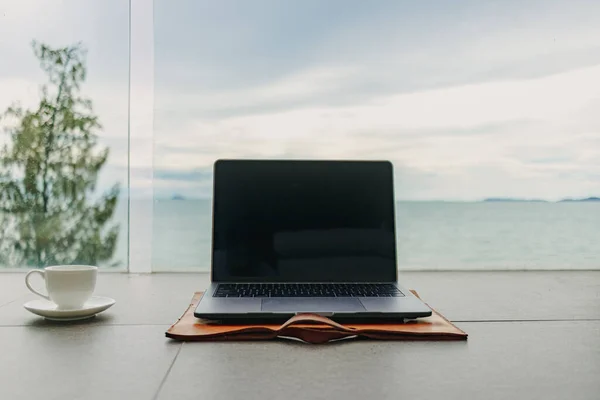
[48, 309]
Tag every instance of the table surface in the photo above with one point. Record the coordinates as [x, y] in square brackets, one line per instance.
[533, 335]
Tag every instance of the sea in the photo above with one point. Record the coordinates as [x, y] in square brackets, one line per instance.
[430, 236]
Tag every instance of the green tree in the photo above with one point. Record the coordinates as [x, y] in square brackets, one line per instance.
[48, 173]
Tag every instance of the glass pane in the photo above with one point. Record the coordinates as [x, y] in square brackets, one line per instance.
[64, 133]
[479, 105]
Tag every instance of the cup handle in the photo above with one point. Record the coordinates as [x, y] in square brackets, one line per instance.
[34, 271]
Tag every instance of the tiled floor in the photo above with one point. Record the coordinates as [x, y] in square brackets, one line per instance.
[532, 335]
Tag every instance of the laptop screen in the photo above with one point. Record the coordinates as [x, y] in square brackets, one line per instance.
[303, 221]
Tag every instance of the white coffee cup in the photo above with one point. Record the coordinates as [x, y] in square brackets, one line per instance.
[68, 286]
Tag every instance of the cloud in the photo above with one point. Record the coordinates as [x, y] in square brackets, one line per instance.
[450, 134]
[470, 107]
[303, 88]
[462, 107]
[398, 46]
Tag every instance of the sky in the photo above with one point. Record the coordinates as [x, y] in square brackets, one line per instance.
[468, 99]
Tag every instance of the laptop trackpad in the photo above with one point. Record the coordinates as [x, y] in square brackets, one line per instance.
[313, 304]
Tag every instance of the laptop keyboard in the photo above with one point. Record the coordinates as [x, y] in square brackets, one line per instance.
[307, 290]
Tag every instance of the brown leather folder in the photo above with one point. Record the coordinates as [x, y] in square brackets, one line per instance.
[312, 328]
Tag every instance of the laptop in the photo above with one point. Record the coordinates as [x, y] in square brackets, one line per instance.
[305, 236]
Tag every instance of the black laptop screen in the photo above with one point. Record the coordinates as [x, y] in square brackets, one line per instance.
[303, 221]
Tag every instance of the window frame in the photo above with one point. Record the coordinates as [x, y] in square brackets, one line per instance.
[141, 133]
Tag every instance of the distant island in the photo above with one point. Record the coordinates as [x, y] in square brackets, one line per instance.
[580, 200]
[513, 200]
[502, 199]
[177, 197]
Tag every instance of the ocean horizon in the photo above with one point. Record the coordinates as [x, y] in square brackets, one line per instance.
[431, 235]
